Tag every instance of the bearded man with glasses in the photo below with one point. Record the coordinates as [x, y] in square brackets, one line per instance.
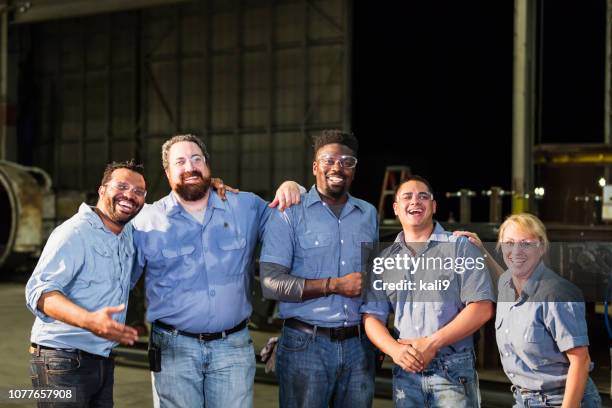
[311, 263]
[197, 251]
[79, 293]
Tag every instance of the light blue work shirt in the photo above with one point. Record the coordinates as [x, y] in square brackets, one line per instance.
[535, 330]
[198, 275]
[420, 312]
[315, 244]
[91, 266]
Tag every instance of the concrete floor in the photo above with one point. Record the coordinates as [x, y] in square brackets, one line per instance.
[132, 385]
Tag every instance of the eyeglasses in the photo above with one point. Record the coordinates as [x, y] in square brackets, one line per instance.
[347, 162]
[125, 187]
[420, 196]
[195, 160]
[524, 245]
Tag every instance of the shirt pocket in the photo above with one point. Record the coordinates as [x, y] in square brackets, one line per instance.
[535, 334]
[100, 270]
[179, 260]
[534, 342]
[231, 243]
[317, 254]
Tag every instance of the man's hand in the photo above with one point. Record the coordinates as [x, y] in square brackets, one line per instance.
[407, 357]
[348, 285]
[471, 236]
[424, 347]
[288, 194]
[221, 188]
[102, 324]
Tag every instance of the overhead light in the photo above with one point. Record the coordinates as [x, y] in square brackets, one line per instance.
[602, 182]
[539, 191]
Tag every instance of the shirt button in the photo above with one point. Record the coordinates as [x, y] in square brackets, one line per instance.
[507, 354]
[506, 331]
[342, 241]
[342, 262]
[345, 306]
[511, 374]
[338, 221]
[316, 242]
[417, 327]
[212, 292]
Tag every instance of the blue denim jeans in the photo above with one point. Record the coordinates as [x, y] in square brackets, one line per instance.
[448, 381]
[90, 378]
[314, 371]
[197, 373]
[591, 398]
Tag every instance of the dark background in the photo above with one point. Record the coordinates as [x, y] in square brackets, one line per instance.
[432, 89]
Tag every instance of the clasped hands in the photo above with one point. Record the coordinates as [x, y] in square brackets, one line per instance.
[414, 355]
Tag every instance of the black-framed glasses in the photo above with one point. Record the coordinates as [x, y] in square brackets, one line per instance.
[420, 196]
[524, 245]
[125, 187]
[328, 160]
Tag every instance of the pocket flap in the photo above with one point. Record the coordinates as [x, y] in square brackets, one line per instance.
[229, 243]
[178, 251]
[101, 250]
[315, 240]
[535, 334]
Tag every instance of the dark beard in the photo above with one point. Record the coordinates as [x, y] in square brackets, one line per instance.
[116, 216]
[192, 192]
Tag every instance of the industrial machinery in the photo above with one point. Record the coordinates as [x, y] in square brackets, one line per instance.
[22, 192]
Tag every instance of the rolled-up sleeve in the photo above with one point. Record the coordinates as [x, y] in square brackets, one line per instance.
[476, 284]
[278, 239]
[375, 301]
[567, 324]
[61, 259]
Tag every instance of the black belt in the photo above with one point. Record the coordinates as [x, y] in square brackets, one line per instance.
[204, 336]
[334, 333]
[525, 391]
[76, 351]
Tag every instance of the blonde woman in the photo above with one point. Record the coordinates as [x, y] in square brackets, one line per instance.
[540, 323]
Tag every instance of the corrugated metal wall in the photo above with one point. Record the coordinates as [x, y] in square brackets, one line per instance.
[253, 78]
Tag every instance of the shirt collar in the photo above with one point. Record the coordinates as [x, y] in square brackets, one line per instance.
[534, 280]
[438, 234]
[312, 197]
[531, 286]
[91, 216]
[94, 219]
[172, 206]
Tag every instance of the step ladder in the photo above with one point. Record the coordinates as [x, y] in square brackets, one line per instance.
[393, 177]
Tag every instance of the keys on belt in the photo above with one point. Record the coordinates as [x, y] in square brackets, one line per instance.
[334, 333]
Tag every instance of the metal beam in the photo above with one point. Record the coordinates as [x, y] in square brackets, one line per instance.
[3, 81]
[523, 98]
[347, 114]
[45, 10]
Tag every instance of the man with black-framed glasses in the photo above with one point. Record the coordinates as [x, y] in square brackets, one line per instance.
[79, 293]
[311, 263]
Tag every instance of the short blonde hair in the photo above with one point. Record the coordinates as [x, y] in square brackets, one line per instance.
[528, 223]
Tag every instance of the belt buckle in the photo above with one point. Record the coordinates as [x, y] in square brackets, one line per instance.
[339, 333]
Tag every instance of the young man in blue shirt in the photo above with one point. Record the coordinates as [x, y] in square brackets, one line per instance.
[444, 295]
[311, 262]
